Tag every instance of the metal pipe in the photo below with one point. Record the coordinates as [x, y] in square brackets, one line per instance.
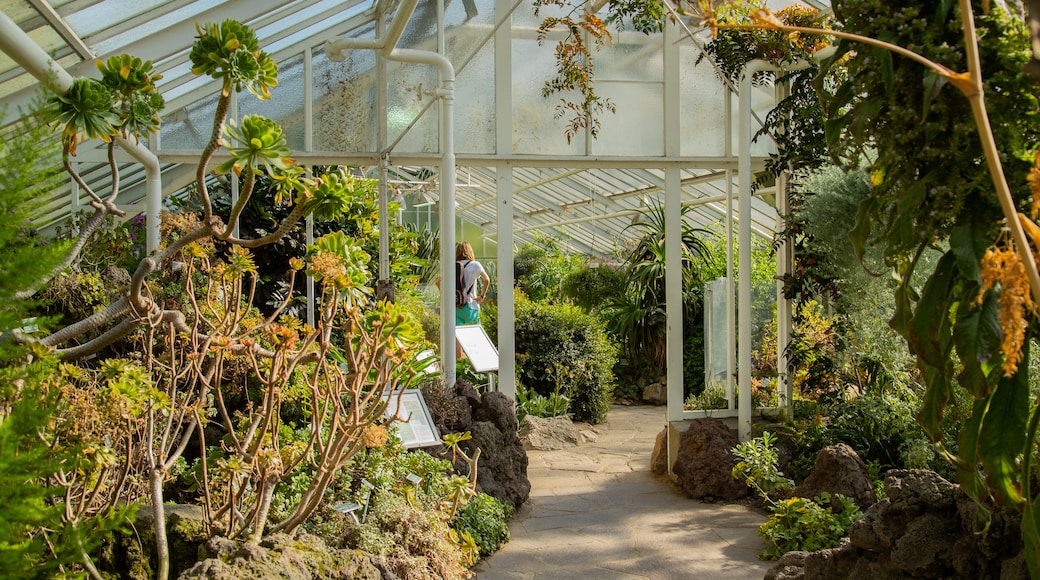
[336, 50]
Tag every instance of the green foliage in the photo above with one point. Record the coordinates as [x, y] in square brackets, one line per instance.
[562, 349]
[540, 268]
[113, 243]
[807, 524]
[23, 190]
[341, 203]
[594, 288]
[38, 537]
[713, 397]
[637, 317]
[529, 402]
[794, 523]
[932, 187]
[486, 520]
[758, 466]
[25, 464]
[415, 541]
[800, 145]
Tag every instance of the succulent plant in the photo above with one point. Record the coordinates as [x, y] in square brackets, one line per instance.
[127, 74]
[86, 111]
[331, 195]
[256, 142]
[341, 261]
[140, 115]
[230, 51]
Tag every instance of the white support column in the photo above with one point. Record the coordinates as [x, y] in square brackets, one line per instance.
[506, 303]
[674, 291]
[744, 258]
[504, 195]
[673, 225]
[731, 295]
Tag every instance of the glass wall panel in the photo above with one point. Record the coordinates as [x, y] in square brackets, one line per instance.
[475, 102]
[409, 92]
[467, 44]
[634, 56]
[189, 128]
[629, 73]
[285, 106]
[762, 101]
[536, 131]
[637, 128]
[535, 128]
[702, 106]
[345, 102]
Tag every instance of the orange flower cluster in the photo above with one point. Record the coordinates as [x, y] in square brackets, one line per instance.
[1002, 265]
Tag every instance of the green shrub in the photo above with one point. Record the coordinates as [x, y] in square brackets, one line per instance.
[592, 288]
[560, 348]
[758, 466]
[540, 268]
[486, 519]
[415, 541]
[713, 397]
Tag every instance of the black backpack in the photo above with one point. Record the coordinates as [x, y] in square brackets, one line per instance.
[460, 292]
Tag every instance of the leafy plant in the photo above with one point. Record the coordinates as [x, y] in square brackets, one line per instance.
[637, 318]
[45, 529]
[807, 524]
[529, 402]
[758, 466]
[540, 268]
[486, 520]
[713, 397]
[594, 288]
[794, 523]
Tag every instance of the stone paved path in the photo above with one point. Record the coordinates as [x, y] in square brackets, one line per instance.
[597, 512]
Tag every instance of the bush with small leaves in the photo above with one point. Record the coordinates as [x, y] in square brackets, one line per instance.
[486, 520]
[562, 349]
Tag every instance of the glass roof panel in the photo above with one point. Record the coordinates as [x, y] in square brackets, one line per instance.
[591, 207]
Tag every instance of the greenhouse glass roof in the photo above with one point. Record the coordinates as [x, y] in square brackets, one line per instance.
[369, 112]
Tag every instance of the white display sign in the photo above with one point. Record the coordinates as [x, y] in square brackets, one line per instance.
[478, 347]
[415, 425]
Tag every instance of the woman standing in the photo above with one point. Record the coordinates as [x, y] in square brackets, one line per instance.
[468, 296]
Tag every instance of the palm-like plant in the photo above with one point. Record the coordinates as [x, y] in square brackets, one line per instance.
[639, 315]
